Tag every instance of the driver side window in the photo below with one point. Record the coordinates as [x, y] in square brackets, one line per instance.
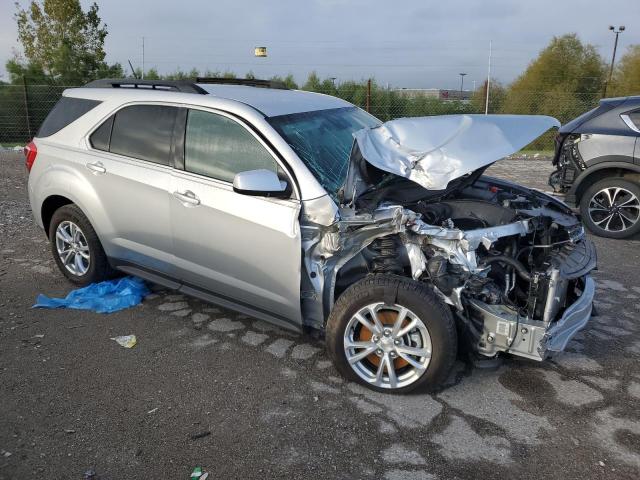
[218, 147]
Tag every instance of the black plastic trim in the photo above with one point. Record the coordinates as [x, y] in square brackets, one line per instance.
[198, 292]
[604, 165]
[179, 132]
[248, 82]
[285, 194]
[184, 86]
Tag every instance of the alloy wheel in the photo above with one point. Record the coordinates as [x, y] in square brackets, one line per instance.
[614, 209]
[72, 248]
[387, 345]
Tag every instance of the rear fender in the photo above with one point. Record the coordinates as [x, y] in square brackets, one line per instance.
[598, 171]
[67, 181]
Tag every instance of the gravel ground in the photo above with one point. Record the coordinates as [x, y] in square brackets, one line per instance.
[208, 387]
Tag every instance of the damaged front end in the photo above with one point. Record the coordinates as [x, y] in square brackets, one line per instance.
[512, 263]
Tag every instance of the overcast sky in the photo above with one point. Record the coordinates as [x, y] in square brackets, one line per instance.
[409, 43]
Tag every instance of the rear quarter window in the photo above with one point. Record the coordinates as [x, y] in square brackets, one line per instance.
[66, 111]
[634, 117]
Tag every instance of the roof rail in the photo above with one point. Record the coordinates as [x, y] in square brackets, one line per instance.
[184, 86]
[249, 82]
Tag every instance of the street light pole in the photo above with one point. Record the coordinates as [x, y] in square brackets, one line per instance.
[613, 57]
[461, 83]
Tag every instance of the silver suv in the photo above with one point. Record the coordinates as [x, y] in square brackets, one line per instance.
[306, 211]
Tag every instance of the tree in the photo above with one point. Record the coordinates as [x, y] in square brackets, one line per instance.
[497, 94]
[313, 83]
[626, 77]
[62, 41]
[287, 81]
[563, 81]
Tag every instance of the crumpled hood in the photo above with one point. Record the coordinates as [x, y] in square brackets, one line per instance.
[432, 151]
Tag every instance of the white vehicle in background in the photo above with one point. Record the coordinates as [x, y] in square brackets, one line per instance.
[259, 199]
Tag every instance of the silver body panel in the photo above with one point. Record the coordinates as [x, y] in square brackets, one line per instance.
[594, 146]
[432, 151]
[239, 246]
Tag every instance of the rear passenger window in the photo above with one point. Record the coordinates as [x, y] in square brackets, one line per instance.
[67, 110]
[219, 148]
[101, 137]
[144, 132]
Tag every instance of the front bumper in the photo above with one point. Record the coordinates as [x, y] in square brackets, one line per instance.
[506, 331]
[574, 319]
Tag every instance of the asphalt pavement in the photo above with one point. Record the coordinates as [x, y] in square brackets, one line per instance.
[242, 399]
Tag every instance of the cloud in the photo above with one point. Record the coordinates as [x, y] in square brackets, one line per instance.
[414, 43]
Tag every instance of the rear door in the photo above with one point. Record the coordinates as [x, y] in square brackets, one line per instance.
[241, 248]
[129, 160]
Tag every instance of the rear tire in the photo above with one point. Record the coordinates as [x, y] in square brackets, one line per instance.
[611, 208]
[389, 296]
[76, 248]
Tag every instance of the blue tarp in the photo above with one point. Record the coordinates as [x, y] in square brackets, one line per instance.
[103, 297]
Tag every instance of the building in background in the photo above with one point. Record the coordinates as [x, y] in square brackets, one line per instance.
[438, 93]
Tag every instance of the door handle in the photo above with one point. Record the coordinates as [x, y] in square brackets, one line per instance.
[97, 167]
[187, 197]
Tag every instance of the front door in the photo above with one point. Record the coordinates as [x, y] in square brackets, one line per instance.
[242, 248]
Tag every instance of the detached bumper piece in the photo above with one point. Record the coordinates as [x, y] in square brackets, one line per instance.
[566, 309]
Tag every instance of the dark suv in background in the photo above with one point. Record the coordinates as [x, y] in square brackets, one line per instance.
[597, 156]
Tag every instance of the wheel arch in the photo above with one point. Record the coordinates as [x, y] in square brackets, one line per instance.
[601, 171]
[49, 207]
[61, 185]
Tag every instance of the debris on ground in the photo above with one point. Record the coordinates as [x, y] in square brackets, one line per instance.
[153, 410]
[196, 436]
[104, 297]
[89, 475]
[196, 474]
[126, 341]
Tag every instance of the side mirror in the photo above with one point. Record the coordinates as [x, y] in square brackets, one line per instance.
[260, 183]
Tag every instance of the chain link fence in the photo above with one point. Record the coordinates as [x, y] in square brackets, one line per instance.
[23, 107]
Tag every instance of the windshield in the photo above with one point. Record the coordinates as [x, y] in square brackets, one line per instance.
[323, 140]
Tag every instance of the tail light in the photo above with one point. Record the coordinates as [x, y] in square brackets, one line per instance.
[30, 152]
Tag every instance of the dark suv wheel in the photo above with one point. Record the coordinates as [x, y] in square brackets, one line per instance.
[611, 208]
[392, 334]
[76, 248]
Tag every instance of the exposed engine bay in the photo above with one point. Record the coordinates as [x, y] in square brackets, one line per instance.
[512, 263]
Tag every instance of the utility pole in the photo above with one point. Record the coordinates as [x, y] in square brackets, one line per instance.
[143, 58]
[486, 105]
[461, 83]
[613, 57]
[368, 95]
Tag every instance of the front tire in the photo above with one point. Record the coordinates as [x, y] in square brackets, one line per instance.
[76, 248]
[392, 334]
[611, 208]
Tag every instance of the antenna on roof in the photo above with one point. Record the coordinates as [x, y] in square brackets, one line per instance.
[132, 70]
